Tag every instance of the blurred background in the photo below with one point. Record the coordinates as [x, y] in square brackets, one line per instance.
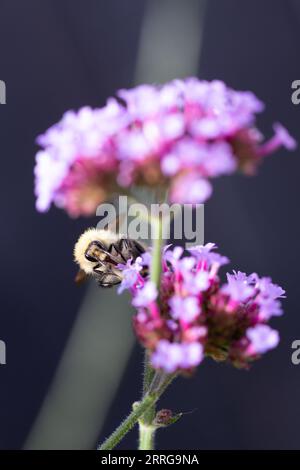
[73, 368]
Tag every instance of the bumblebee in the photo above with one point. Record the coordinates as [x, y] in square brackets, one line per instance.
[98, 252]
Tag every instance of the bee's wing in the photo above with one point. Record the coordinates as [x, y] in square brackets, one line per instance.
[107, 279]
[123, 250]
[132, 248]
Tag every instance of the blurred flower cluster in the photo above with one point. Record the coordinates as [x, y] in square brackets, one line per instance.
[179, 135]
[193, 315]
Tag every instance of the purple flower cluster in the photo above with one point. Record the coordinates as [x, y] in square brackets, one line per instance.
[193, 315]
[179, 135]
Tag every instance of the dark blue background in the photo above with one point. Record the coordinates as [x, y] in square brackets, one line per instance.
[62, 54]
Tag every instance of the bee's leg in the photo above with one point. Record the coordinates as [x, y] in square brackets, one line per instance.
[99, 267]
[132, 248]
[105, 269]
[107, 279]
[115, 251]
[125, 249]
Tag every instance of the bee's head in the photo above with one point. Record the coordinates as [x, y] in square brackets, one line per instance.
[89, 248]
[95, 251]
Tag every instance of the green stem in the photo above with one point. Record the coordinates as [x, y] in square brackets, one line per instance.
[128, 423]
[139, 410]
[146, 430]
[148, 373]
[155, 268]
[144, 411]
[146, 436]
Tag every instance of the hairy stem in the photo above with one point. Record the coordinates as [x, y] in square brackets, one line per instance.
[146, 436]
[139, 410]
[155, 270]
[128, 423]
[149, 373]
[154, 383]
[146, 430]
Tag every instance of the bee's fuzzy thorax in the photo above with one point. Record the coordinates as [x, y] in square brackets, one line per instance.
[92, 234]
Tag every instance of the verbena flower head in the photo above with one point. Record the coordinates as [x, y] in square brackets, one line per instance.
[179, 135]
[194, 315]
[75, 170]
